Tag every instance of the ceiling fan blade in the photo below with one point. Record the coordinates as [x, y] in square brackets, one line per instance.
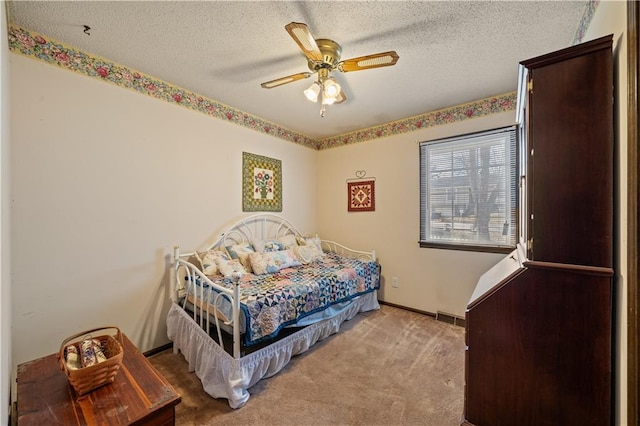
[284, 80]
[384, 59]
[301, 34]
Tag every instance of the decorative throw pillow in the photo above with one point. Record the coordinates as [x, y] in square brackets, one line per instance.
[230, 268]
[272, 261]
[289, 240]
[271, 244]
[241, 252]
[306, 241]
[207, 260]
[234, 249]
[308, 254]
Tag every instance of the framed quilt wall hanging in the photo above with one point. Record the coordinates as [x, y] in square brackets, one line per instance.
[361, 193]
[261, 183]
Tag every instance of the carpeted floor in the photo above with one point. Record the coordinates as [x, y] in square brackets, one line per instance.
[387, 367]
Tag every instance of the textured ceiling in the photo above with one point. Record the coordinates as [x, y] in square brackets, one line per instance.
[450, 52]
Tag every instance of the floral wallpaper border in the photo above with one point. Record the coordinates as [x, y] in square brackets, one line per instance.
[40, 47]
[488, 106]
[53, 52]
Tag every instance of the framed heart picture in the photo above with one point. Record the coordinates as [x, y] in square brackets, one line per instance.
[361, 196]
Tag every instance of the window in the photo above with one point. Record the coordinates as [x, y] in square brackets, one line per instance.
[468, 191]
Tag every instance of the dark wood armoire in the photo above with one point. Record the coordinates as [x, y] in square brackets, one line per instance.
[539, 326]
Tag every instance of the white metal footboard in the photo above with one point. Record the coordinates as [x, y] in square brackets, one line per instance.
[185, 289]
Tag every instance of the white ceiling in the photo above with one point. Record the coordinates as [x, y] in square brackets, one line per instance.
[451, 52]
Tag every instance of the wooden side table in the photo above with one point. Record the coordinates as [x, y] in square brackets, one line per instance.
[139, 395]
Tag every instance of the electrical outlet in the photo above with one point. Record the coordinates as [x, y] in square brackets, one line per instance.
[394, 282]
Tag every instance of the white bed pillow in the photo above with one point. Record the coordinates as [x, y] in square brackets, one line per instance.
[230, 268]
[306, 241]
[272, 261]
[207, 259]
[307, 254]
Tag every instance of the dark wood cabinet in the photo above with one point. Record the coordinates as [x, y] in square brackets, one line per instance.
[539, 326]
[139, 395]
[570, 155]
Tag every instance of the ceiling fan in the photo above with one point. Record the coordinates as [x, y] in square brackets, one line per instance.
[323, 56]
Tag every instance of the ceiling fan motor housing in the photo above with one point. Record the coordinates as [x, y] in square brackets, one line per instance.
[331, 52]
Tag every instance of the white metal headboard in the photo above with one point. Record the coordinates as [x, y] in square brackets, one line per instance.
[259, 226]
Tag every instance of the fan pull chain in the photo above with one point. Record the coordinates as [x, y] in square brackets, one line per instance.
[323, 110]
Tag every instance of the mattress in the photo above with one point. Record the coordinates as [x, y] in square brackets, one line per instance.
[296, 295]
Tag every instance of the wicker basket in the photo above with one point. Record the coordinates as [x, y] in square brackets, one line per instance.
[84, 380]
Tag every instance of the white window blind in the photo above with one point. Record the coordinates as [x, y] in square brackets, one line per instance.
[468, 190]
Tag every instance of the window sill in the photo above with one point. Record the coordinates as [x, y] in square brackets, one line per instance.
[466, 247]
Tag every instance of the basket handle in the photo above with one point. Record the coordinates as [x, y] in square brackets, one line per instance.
[66, 341]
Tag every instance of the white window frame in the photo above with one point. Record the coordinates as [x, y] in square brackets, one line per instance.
[464, 203]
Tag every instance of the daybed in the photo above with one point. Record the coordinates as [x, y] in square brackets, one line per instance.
[267, 291]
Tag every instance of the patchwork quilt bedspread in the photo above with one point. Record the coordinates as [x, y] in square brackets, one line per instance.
[273, 301]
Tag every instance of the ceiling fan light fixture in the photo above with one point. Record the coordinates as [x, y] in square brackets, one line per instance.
[326, 100]
[312, 92]
[331, 88]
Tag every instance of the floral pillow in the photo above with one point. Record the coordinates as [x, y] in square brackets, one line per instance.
[307, 241]
[207, 261]
[307, 254]
[241, 253]
[268, 245]
[289, 240]
[230, 268]
[272, 261]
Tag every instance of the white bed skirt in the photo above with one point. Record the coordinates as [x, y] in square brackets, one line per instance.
[222, 376]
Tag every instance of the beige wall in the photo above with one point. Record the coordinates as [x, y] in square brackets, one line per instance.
[429, 279]
[104, 183]
[611, 18]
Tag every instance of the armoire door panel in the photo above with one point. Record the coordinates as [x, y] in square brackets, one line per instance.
[570, 188]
